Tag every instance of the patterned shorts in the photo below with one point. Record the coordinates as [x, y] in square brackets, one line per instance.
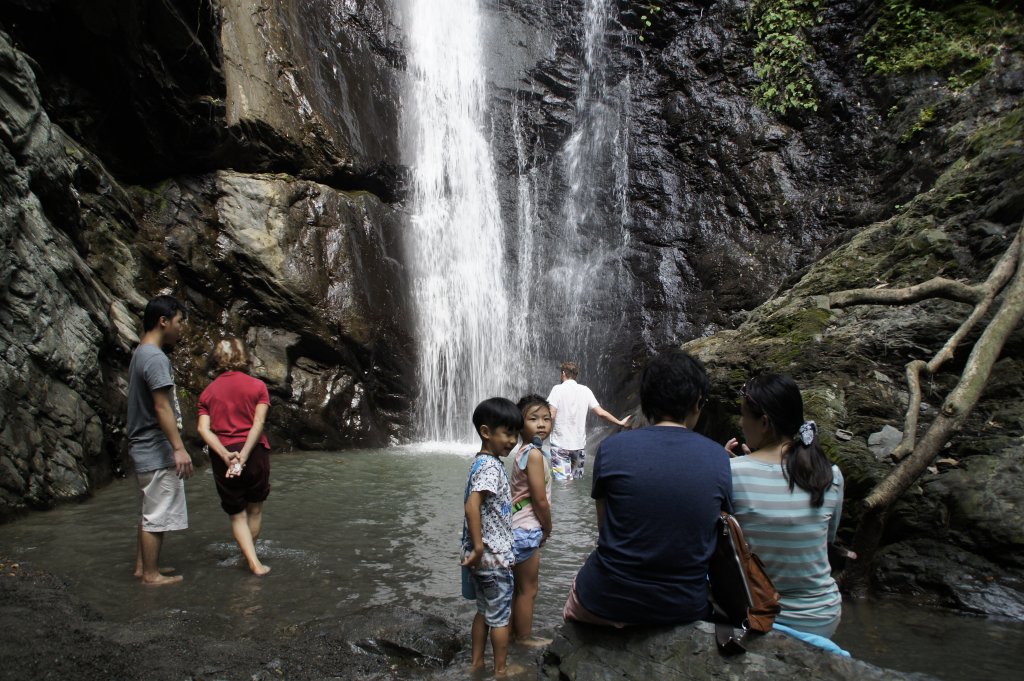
[494, 595]
[567, 464]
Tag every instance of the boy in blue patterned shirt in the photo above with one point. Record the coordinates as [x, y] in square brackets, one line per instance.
[487, 531]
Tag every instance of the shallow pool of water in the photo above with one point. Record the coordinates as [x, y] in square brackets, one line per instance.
[349, 530]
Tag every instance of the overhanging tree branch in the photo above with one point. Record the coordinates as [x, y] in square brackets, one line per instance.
[1007, 280]
[982, 295]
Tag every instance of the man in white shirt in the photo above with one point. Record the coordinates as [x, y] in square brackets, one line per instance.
[570, 403]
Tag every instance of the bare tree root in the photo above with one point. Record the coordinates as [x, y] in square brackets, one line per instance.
[1006, 278]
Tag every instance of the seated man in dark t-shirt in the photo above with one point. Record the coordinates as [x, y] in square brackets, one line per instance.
[658, 492]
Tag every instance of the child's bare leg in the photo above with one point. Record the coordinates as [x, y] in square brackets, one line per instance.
[479, 637]
[499, 644]
[149, 546]
[240, 528]
[524, 596]
[254, 512]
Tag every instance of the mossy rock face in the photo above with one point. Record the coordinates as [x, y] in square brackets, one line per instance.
[989, 506]
[850, 363]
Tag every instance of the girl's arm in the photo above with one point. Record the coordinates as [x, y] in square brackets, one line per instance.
[255, 432]
[833, 523]
[538, 490]
[212, 441]
[473, 524]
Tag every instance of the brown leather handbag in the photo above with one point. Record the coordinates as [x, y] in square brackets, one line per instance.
[741, 591]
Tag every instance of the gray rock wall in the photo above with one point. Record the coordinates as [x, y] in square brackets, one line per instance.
[213, 152]
[725, 200]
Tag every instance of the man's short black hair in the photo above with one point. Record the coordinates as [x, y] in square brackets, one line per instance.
[496, 412]
[670, 385]
[161, 306]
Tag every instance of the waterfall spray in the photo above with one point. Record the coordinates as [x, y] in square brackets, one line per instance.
[455, 241]
[586, 277]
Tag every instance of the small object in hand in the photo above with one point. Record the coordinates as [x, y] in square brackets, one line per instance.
[237, 468]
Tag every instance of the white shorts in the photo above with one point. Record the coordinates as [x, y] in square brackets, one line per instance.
[162, 501]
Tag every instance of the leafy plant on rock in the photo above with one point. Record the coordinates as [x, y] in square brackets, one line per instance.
[783, 53]
[958, 39]
[647, 18]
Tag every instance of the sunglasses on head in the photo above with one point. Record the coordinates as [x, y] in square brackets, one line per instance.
[744, 393]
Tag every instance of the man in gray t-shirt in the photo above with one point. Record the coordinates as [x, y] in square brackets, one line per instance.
[154, 421]
[149, 371]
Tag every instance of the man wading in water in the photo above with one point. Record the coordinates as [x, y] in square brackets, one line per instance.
[154, 419]
[570, 403]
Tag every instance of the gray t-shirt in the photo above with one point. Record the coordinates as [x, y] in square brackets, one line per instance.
[150, 370]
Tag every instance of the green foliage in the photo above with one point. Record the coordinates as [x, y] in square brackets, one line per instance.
[924, 119]
[783, 53]
[955, 38]
[651, 9]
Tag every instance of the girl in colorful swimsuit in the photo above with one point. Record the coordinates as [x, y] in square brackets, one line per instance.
[531, 514]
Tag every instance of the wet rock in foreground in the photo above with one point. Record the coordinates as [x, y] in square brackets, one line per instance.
[51, 634]
[689, 653]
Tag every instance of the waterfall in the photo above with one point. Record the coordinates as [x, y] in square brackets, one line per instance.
[455, 248]
[585, 285]
[490, 319]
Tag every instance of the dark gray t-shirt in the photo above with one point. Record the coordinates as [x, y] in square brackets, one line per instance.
[150, 370]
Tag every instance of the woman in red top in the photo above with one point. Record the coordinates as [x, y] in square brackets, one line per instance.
[232, 411]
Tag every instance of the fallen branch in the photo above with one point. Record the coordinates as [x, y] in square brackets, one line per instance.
[995, 283]
[939, 287]
[1006, 279]
[962, 399]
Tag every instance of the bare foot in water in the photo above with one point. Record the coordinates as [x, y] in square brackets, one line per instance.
[163, 571]
[261, 570]
[161, 580]
[510, 669]
[533, 642]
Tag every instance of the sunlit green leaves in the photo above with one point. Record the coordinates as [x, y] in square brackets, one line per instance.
[783, 53]
[647, 19]
[959, 40]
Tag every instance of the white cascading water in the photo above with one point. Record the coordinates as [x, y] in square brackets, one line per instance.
[586, 279]
[455, 241]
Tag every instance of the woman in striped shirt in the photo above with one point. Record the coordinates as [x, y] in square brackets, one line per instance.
[788, 497]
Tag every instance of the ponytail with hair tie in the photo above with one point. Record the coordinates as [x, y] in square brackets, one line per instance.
[808, 431]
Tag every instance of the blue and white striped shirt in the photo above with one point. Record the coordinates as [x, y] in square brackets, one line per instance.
[791, 537]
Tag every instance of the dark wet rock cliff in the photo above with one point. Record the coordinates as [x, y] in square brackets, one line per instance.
[240, 157]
